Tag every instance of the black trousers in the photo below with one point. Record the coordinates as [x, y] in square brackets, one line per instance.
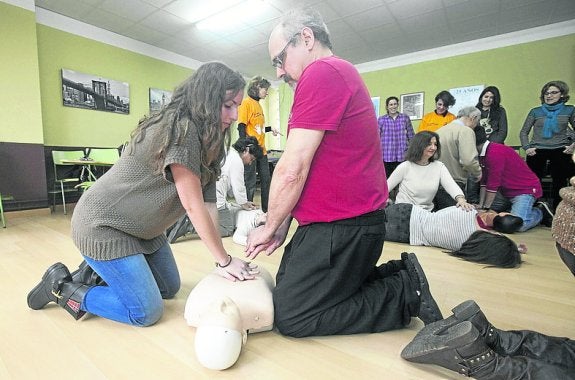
[327, 283]
[250, 179]
[561, 169]
[567, 257]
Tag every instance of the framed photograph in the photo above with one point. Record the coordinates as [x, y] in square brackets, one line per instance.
[158, 99]
[94, 92]
[412, 105]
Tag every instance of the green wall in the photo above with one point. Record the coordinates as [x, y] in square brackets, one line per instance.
[20, 95]
[67, 126]
[518, 71]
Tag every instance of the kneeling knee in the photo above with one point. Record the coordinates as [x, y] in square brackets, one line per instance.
[147, 316]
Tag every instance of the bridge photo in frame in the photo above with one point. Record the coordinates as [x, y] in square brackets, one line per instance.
[93, 92]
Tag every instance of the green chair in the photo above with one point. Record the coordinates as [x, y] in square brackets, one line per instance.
[64, 181]
[102, 159]
[104, 155]
[4, 198]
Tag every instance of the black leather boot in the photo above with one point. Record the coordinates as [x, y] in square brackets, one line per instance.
[550, 349]
[57, 286]
[462, 349]
[428, 310]
[389, 268]
[86, 275]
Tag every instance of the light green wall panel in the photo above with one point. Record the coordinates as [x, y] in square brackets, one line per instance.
[518, 71]
[67, 126]
[20, 94]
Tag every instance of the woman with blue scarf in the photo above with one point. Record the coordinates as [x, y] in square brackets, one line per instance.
[552, 139]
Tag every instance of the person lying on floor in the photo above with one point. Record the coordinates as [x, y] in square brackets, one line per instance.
[467, 234]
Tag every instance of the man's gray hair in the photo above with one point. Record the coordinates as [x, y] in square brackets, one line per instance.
[469, 111]
[295, 20]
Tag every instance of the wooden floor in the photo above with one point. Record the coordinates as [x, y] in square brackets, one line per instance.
[49, 344]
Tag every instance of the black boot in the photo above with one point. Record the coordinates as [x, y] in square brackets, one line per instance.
[550, 349]
[428, 310]
[389, 268]
[86, 275]
[57, 286]
[461, 348]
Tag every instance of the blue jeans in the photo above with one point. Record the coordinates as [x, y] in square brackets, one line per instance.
[522, 206]
[135, 288]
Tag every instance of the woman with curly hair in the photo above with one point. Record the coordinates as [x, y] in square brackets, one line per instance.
[169, 169]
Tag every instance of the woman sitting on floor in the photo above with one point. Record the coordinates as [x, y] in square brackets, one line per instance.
[420, 175]
[465, 234]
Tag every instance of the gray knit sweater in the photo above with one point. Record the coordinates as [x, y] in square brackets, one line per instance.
[128, 209]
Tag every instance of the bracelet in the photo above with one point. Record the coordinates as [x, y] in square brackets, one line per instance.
[226, 264]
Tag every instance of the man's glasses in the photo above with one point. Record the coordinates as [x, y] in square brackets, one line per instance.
[278, 60]
[551, 93]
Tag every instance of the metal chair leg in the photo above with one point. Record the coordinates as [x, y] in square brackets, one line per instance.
[63, 197]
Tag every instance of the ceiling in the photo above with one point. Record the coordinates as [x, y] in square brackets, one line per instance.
[362, 30]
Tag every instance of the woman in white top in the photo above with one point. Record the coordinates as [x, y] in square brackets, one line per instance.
[242, 215]
[420, 175]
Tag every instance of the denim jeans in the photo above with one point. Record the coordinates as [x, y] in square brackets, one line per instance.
[135, 287]
[522, 206]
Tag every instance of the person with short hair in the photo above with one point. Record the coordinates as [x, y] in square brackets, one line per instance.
[441, 116]
[240, 216]
[330, 178]
[169, 169]
[552, 137]
[422, 162]
[459, 153]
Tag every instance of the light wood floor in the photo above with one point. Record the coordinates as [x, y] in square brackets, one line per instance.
[49, 344]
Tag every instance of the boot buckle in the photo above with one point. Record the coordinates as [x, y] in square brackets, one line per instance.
[57, 294]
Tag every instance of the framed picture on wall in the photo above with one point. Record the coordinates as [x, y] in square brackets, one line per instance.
[412, 105]
[94, 92]
[158, 99]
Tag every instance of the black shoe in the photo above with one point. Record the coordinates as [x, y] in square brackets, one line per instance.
[57, 286]
[86, 275]
[428, 310]
[45, 292]
[460, 348]
[548, 215]
[467, 311]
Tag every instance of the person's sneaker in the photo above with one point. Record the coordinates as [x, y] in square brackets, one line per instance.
[547, 213]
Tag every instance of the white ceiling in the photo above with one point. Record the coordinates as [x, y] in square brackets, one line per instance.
[362, 30]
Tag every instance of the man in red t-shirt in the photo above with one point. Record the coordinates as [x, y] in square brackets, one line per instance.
[330, 178]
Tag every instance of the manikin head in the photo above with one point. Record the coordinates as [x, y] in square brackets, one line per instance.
[220, 336]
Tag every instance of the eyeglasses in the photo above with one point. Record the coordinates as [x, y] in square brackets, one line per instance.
[278, 60]
[551, 93]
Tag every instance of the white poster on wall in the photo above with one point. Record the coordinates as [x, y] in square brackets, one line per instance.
[465, 96]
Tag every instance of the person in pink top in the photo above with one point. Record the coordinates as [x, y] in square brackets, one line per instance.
[331, 179]
[504, 171]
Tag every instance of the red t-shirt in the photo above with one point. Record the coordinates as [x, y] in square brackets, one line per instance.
[347, 177]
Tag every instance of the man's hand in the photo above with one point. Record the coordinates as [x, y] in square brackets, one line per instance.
[530, 151]
[261, 239]
[249, 206]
